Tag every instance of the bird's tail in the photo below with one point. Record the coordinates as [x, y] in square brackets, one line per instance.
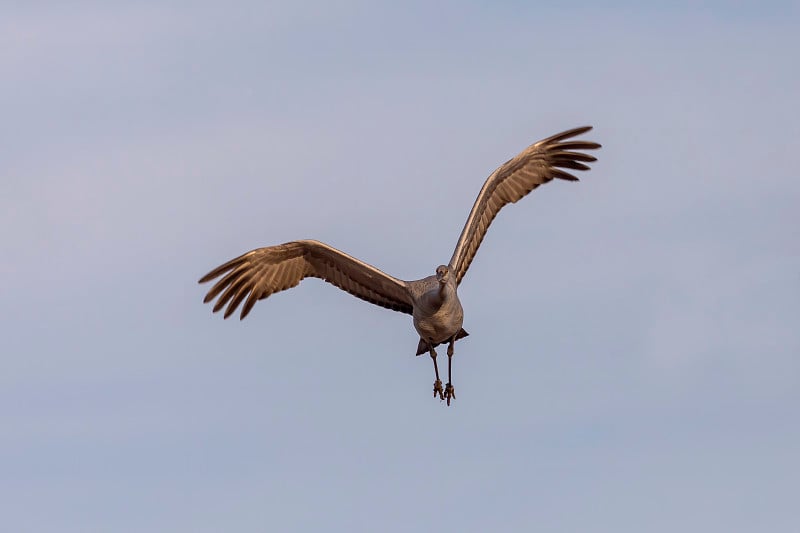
[424, 347]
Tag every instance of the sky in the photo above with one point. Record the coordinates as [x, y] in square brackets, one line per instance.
[633, 358]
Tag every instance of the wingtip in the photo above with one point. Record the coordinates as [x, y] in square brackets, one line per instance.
[574, 132]
[561, 174]
[567, 134]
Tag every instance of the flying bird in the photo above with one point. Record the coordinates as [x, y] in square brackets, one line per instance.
[432, 301]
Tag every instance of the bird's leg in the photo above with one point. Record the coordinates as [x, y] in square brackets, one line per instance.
[449, 390]
[437, 385]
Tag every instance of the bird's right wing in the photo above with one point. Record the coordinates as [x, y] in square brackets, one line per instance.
[265, 271]
[537, 164]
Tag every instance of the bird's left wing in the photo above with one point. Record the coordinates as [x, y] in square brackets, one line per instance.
[264, 271]
[537, 164]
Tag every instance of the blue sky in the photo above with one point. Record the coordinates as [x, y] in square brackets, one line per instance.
[633, 359]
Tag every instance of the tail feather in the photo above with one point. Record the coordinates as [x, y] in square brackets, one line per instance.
[424, 347]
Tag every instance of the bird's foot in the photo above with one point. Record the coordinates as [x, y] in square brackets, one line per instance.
[437, 389]
[449, 392]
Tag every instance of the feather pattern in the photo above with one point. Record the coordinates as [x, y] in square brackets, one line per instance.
[537, 164]
[262, 272]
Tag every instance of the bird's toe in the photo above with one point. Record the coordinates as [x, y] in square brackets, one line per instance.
[449, 392]
[437, 389]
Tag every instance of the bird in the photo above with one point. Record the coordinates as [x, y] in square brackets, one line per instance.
[432, 301]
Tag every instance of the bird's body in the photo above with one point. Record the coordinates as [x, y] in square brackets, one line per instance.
[438, 314]
[432, 301]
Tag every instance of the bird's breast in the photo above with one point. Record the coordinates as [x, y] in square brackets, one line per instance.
[438, 323]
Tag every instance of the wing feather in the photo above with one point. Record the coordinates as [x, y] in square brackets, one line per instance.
[264, 271]
[539, 163]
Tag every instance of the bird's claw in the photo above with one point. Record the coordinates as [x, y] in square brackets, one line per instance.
[437, 389]
[449, 392]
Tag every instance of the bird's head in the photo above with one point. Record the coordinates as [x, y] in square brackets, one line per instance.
[442, 274]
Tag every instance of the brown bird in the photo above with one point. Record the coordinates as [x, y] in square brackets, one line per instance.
[432, 301]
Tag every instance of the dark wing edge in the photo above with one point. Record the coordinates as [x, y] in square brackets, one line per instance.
[537, 164]
[262, 272]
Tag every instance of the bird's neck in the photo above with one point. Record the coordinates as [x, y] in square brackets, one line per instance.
[435, 298]
[444, 291]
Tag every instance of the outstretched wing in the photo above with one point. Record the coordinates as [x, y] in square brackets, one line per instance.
[537, 164]
[264, 271]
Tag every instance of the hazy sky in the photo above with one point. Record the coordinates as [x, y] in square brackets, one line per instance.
[634, 358]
